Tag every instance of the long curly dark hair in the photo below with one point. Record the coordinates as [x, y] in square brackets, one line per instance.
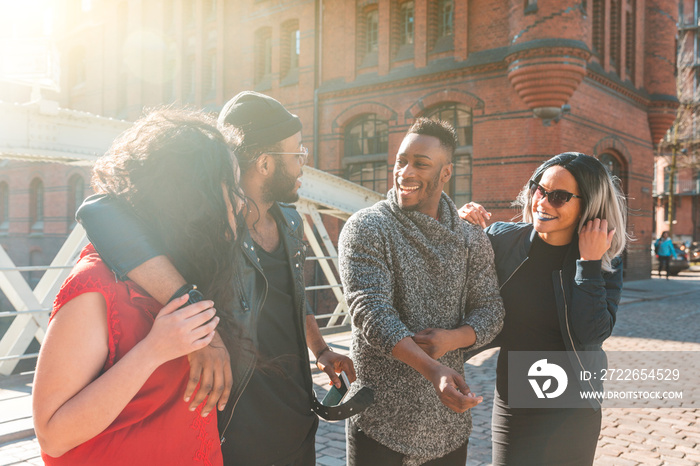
[178, 172]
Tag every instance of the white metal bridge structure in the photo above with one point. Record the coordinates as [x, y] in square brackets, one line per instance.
[43, 132]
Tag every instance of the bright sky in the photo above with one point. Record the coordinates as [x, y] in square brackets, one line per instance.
[26, 54]
[26, 18]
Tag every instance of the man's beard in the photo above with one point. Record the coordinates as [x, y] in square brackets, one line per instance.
[430, 189]
[281, 187]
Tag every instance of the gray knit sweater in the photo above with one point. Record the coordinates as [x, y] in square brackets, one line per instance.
[402, 272]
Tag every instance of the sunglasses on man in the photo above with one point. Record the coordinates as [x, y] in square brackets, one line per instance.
[556, 198]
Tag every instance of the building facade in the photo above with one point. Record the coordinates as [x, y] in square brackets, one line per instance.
[521, 80]
[677, 168]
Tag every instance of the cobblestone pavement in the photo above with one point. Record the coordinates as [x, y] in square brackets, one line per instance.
[656, 315]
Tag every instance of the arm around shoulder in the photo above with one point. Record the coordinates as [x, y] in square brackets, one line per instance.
[120, 238]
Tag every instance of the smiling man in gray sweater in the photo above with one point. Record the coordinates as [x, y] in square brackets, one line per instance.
[421, 288]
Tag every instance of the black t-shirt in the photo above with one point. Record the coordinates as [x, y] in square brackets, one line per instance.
[531, 322]
[273, 417]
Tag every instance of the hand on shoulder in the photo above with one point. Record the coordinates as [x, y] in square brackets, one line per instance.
[475, 214]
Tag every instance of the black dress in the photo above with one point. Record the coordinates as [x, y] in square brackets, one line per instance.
[524, 436]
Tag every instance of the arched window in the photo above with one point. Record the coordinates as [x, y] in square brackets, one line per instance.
[4, 207]
[459, 116]
[459, 187]
[611, 163]
[36, 206]
[615, 167]
[366, 147]
[76, 194]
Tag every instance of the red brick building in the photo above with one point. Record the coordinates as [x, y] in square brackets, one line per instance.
[521, 80]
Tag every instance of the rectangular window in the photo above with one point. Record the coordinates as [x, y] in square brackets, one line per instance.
[461, 182]
[372, 31]
[615, 35]
[290, 47]
[406, 23]
[371, 175]
[630, 36]
[445, 18]
[598, 26]
[295, 47]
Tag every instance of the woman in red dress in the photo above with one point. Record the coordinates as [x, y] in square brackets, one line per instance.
[113, 367]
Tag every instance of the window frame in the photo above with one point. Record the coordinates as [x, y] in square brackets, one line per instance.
[463, 152]
[404, 23]
[377, 155]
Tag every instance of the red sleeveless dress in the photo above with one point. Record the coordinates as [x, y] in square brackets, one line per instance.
[156, 427]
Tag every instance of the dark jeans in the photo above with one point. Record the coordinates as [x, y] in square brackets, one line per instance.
[664, 262]
[363, 451]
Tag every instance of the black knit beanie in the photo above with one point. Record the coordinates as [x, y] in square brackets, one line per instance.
[262, 119]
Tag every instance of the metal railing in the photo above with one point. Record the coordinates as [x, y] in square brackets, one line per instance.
[331, 325]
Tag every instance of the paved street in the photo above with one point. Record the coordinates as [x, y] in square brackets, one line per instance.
[655, 314]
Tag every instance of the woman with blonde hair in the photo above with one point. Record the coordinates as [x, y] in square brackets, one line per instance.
[561, 277]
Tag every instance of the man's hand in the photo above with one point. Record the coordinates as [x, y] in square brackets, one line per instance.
[452, 390]
[332, 363]
[326, 360]
[435, 342]
[210, 367]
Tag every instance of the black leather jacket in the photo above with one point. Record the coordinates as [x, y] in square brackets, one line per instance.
[587, 297]
[124, 243]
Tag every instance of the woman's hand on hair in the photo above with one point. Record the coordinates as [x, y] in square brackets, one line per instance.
[594, 239]
[178, 332]
[475, 214]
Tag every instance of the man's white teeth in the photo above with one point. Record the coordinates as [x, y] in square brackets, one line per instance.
[408, 188]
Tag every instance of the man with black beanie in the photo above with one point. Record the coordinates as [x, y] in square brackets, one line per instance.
[273, 422]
